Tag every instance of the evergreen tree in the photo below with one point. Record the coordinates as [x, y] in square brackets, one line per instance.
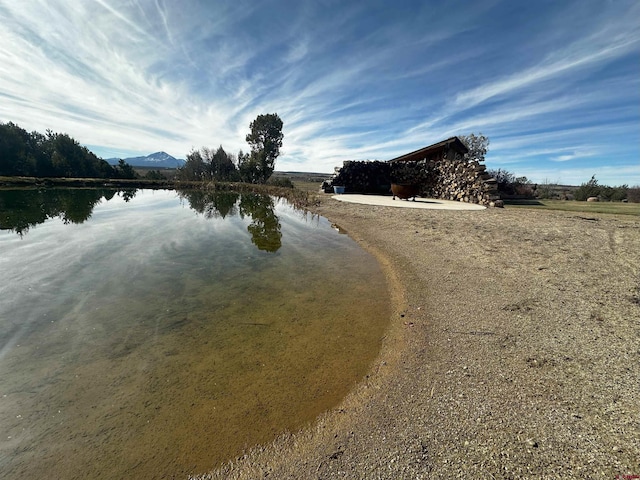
[49, 155]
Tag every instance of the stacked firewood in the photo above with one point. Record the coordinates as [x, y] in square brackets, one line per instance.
[462, 180]
[447, 179]
[363, 177]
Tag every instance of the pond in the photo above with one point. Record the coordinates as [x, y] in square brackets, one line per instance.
[155, 334]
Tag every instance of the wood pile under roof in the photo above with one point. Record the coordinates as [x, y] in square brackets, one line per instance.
[453, 143]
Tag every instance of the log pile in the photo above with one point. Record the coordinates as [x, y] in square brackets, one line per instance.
[448, 179]
[363, 177]
[461, 180]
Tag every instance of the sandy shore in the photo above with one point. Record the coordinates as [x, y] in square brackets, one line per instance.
[513, 352]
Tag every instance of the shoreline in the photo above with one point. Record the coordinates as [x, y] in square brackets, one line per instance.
[510, 352]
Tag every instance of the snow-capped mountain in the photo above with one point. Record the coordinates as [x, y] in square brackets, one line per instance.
[158, 159]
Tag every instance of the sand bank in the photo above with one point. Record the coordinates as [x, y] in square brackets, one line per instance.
[513, 352]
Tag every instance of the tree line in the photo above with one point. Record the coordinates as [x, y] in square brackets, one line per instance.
[22, 209]
[606, 193]
[256, 166]
[33, 154]
[510, 184]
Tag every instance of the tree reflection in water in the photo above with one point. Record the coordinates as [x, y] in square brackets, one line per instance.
[265, 225]
[211, 204]
[21, 210]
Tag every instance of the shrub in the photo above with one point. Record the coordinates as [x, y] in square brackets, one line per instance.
[154, 175]
[284, 182]
[614, 194]
[509, 184]
[604, 192]
[633, 194]
[545, 190]
[504, 178]
[586, 190]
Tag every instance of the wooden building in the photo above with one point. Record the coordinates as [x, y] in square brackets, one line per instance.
[447, 149]
[440, 170]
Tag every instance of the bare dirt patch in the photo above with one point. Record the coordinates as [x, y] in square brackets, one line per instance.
[513, 352]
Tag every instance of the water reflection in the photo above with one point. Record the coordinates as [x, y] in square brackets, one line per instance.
[156, 340]
[264, 228]
[22, 209]
[211, 204]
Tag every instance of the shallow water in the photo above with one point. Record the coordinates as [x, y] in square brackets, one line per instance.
[157, 336]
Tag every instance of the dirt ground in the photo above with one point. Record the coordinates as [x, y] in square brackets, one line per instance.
[513, 352]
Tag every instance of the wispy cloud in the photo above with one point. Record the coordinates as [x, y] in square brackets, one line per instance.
[577, 153]
[350, 81]
[586, 54]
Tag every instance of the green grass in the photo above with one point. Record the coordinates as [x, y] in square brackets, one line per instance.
[616, 208]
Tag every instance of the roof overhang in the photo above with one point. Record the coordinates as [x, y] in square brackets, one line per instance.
[453, 143]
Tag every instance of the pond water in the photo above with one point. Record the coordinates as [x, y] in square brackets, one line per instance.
[154, 334]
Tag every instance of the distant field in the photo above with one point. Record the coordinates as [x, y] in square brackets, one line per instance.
[304, 176]
[575, 206]
[308, 182]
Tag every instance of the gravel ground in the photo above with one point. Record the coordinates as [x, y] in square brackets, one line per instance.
[513, 352]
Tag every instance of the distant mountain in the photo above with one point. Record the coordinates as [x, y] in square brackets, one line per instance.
[155, 160]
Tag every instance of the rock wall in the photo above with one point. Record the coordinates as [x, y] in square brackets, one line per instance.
[453, 178]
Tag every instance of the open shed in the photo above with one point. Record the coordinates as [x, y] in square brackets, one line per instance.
[440, 171]
[446, 149]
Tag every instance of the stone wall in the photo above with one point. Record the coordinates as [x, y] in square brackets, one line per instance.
[452, 178]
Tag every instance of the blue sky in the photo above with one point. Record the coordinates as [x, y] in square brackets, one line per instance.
[555, 85]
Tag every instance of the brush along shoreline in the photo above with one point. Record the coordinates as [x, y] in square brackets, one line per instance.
[513, 352]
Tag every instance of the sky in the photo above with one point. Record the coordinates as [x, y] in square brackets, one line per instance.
[554, 85]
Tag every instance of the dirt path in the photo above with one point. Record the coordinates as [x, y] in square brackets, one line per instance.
[513, 352]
